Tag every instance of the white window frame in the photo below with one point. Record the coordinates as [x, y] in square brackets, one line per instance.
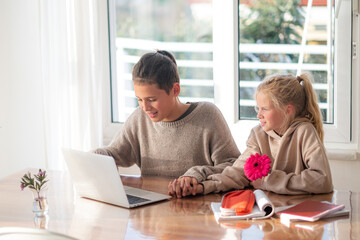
[340, 131]
[342, 135]
[110, 128]
[350, 151]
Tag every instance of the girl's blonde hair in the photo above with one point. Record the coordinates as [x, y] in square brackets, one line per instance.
[297, 91]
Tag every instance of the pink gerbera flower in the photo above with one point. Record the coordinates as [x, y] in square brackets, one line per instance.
[257, 166]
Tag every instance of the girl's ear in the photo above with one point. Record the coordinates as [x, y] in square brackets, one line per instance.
[290, 110]
[176, 89]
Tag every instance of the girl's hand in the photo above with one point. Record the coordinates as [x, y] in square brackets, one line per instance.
[184, 186]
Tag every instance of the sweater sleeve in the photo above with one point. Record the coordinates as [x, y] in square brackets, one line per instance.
[124, 148]
[314, 178]
[233, 177]
[223, 149]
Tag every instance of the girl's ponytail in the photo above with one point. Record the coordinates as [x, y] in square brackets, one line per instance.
[311, 109]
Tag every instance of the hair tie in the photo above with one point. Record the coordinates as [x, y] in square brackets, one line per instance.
[299, 79]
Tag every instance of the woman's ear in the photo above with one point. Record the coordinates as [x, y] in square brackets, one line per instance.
[176, 89]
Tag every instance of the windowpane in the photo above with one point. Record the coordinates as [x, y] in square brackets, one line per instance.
[287, 37]
[182, 27]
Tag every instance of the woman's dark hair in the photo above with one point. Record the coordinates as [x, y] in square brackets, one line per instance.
[156, 68]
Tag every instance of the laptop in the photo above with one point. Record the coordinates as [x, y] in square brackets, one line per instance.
[96, 177]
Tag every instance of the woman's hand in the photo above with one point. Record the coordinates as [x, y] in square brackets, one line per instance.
[184, 186]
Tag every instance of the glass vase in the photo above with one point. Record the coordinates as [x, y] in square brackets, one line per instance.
[40, 202]
[41, 222]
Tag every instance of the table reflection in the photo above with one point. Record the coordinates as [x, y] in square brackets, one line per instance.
[97, 220]
[187, 218]
[176, 218]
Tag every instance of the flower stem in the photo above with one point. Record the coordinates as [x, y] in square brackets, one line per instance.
[39, 199]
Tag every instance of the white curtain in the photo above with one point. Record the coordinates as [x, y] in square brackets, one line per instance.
[74, 69]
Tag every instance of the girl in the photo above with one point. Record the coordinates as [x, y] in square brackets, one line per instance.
[165, 137]
[290, 133]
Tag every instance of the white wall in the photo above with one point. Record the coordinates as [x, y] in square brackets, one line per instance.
[345, 174]
[21, 116]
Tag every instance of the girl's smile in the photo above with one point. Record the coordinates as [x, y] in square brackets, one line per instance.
[158, 104]
[152, 115]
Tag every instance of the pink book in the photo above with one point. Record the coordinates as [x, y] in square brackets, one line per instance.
[308, 210]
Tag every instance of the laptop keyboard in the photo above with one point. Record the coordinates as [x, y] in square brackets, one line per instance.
[134, 199]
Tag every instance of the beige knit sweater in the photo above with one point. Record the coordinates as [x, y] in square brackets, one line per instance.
[299, 163]
[171, 148]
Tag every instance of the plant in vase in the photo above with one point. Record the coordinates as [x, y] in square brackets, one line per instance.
[37, 184]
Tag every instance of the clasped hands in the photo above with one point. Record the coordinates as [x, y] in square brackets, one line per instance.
[184, 186]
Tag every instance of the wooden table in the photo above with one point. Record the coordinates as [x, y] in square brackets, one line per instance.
[188, 218]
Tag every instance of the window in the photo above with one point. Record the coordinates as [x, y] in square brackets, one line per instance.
[181, 27]
[221, 57]
[281, 37]
[293, 37]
